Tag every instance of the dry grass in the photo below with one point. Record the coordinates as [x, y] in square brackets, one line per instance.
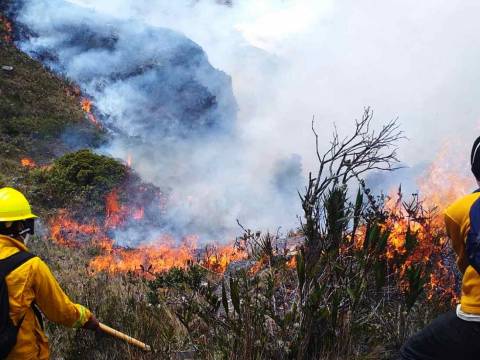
[119, 301]
[36, 109]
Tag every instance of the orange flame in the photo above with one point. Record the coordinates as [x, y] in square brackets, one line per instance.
[292, 263]
[221, 256]
[146, 260]
[153, 259]
[28, 163]
[66, 231]
[87, 108]
[86, 105]
[115, 212]
[441, 186]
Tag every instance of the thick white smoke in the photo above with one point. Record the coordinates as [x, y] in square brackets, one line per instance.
[290, 60]
[172, 114]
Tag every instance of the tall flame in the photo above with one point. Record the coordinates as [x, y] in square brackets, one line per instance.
[440, 187]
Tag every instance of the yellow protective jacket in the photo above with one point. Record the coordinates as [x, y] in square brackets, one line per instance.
[34, 282]
[462, 220]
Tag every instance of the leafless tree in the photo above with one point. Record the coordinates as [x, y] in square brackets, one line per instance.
[363, 151]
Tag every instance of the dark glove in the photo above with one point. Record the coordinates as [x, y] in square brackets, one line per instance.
[92, 324]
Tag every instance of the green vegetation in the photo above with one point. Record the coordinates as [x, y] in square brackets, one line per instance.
[36, 110]
[345, 292]
[120, 301]
[76, 179]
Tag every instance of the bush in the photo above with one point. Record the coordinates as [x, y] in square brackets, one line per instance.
[77, 179]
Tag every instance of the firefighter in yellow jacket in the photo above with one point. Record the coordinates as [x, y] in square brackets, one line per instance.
[456, 334]
[32, 283]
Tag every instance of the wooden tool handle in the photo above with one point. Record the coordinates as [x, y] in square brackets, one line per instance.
[119, 335]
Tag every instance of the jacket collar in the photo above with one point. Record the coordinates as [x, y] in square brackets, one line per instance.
[11, 242]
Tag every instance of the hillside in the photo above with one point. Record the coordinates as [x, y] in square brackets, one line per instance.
[38, 111]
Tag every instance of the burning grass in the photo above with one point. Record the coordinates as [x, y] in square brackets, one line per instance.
[248, 302]
[386, 271]
[35, 111]
[369, 270]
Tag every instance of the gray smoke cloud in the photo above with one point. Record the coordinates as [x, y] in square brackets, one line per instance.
[171, 114]
[287, 60]
[291, 59]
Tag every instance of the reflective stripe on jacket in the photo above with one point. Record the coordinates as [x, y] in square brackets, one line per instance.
[34, 282]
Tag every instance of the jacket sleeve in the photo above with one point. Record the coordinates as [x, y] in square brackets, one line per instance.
[53, 302]
[454, 232]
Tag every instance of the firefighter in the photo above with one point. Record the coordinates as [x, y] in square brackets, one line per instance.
[32, 283]
[456, 334]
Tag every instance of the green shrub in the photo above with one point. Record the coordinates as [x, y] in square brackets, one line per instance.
[75, 180]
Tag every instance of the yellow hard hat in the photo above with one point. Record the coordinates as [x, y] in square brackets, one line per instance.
[14, 206]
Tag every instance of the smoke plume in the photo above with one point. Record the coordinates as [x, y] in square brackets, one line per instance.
[211, 98]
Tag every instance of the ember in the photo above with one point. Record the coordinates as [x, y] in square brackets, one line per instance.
[6, 27]
[28, 163]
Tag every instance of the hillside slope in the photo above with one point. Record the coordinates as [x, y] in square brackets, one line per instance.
[38, 113]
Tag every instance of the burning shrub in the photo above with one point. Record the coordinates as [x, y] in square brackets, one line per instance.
[368, 272]
[76, 179]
